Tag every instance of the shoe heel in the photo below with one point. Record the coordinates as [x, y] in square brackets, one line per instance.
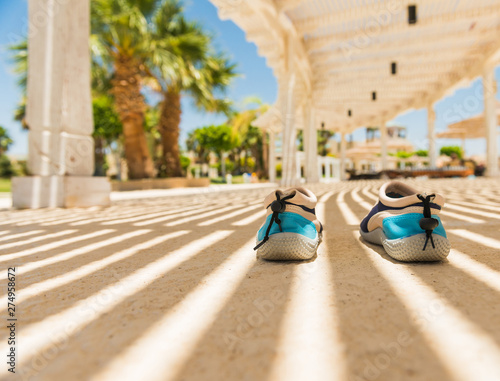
[410, 249]
[288, 247]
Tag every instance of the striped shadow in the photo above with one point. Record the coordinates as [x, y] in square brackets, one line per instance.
[48, 334]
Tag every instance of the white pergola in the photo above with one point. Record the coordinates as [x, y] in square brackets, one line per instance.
[472, 128]
[355, 63]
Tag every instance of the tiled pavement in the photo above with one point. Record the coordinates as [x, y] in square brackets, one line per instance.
[169, 289]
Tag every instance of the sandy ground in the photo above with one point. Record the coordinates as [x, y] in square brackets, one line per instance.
[168, 288]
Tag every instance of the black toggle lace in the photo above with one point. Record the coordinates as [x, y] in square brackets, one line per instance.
[428, 223]
[277, 206]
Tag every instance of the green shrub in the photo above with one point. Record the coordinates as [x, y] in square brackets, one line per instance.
[6, 168]
[21, 168]
[404, 154]
[278, 170]
[450, 150]
[185, 162]
[250, 163]
[229, 166]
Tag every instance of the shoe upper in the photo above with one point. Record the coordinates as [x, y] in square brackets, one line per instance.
[297, 216]
[399, 211]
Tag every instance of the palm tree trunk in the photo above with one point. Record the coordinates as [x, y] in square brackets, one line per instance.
[257, 155]
[117, 154]
[170, 119]
[130, 105]
[99, 157]
[237, 161]
[223, 166]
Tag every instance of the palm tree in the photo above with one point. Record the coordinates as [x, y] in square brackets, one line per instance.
[255, 140]
[121, 39]
[5, 140]
[119, 44]
[196, 142]
[215, 74]
[198, 72]
[20, 60]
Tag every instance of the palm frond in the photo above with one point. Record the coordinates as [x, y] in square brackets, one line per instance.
[19, 58]
[20, 113]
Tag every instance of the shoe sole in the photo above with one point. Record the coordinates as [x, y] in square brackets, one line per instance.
[409, 249]
[289, 247]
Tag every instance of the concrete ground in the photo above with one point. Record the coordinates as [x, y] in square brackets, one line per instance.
[168, 288]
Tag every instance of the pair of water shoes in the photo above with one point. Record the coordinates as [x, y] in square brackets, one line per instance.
[405, 222]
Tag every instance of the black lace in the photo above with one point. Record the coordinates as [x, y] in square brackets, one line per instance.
[277, 206]
[428, 223]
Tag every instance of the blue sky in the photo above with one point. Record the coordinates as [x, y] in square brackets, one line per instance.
[256, 79]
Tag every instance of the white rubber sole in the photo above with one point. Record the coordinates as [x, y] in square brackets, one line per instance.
[410, 249]
[288, 247]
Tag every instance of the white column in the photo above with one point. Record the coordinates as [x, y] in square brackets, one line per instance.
[343, 149]
[272, 156]
[59, 110]
[336, 169]
[287, 92]
[490, 118]
[319, 169]
[431, 136]
[288, 175]
[298, 166]
[328, 172]
[383, 144]
[311, 146]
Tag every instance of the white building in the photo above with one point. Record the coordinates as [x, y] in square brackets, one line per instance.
[365, 156]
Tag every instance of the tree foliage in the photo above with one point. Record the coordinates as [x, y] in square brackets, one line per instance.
[196, 70]
[404, 154]
[216, 139]
[19, 57]
[452, 150]
[5, 140]
[107, 124]
[323, 139]
[422, 153]
[6, 167]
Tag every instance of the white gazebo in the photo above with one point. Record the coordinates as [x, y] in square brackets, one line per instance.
[351, 64]
[366, 155]
[471, 128]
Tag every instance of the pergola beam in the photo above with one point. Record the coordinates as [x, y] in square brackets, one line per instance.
[373, 83]
[404, 52]
[287, 5]
[357, 70]
[410, 59]
[419, 32]
[358, 16]
[382, 71]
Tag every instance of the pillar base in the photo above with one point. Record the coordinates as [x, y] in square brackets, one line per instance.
[34, 192]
